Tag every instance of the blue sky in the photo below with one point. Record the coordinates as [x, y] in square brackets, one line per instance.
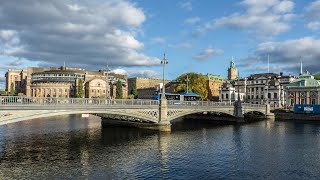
[131, 36]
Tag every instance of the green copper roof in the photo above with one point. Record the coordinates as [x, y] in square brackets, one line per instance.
[305, 80]
[211, 77]
[232, 65]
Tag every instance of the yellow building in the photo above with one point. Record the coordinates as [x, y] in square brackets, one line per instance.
[214, 82]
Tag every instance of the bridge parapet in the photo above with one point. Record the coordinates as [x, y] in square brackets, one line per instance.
[47, 101]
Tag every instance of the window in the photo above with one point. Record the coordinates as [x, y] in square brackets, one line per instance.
[261, 96]
[313, 101]
[302, 101]
[227, 96]
[222, 96]
[269, 95]
[261, 89]
[275, 95]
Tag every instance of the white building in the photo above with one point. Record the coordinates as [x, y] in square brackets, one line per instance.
[258, 89]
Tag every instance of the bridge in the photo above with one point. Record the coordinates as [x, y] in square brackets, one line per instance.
[152, 114]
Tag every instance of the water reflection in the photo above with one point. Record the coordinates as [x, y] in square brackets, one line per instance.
[71, 147]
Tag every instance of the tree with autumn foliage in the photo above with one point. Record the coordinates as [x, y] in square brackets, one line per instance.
[197, 84]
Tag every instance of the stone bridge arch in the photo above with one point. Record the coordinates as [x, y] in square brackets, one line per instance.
[178, 113]
[142, 115]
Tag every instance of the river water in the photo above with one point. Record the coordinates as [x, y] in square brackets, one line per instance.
[71, 147]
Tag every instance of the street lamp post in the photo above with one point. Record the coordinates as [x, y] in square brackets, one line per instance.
[187, 80]
[164, 61]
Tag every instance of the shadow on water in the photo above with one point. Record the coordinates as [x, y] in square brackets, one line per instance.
[193, 125]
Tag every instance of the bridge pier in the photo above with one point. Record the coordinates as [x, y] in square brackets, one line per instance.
[269, 115]
[164, 123]
[238, 111]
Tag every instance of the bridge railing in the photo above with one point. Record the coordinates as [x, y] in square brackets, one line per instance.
[25, 101]
[253, 105]
[198, 103]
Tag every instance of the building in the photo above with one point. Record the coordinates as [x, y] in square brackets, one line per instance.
[213, 84]
[15, 81]
[232, 71]
[260, 89]
[305, 90]
[64, 82]
[230, 93]
[142, 83]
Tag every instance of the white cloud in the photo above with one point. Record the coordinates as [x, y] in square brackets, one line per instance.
[84, 33]
[265, 18]
[192, 20]
[181, 46]
[286, 55]
[186, 5]
[140, 73]
[158, 40]
[207, 53]
[312, 15]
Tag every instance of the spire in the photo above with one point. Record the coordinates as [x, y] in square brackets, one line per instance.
[268, 64]
[301, 67]
[64, 64]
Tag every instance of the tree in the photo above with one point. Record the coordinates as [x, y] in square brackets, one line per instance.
[119, 94]
[134, 91]
[12, 89]
[197, 84]
[80, 90]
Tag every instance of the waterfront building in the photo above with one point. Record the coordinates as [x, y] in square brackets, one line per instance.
[259, 89]
[142, 83]
[213, 84]
[16, 80]
[305, 90]
[64, 82]
[230, 91]
[232, 71]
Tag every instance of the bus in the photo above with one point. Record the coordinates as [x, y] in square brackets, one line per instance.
[178, 97]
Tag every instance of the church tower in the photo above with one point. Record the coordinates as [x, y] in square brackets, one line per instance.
[232, 71]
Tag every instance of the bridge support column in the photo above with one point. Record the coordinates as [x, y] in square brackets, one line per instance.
[164, 124]
[269, 115]
[238, 109]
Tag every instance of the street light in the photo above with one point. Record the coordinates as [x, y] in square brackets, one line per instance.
[164, 61]
[187, 80]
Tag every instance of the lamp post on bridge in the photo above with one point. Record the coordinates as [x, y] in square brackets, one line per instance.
[164, 61]
[187, 80]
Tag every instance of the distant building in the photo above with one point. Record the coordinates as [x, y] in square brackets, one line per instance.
[232, 71]
[259, 89]
[142, 83]
[63, 82]
[230, 93]
[213, 84]
[305, 90]
[16, 80]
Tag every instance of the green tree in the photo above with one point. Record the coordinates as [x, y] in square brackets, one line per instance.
[80, 89]
[12, 89]
[197, 84]
[119, 94]
[134, 91]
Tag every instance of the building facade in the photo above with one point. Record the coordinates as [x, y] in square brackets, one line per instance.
[64, 82]
[260, 89]
[305, 90]
[213, 84]
[142, 83]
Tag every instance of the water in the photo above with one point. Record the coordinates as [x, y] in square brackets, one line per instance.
[71, 147]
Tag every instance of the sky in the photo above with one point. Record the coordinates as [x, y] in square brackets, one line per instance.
[131, 36]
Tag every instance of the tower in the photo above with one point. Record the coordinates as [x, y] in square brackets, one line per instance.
[232, 71]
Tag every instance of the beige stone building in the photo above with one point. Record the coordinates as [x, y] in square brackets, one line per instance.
[142, 83]
[64, 82]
